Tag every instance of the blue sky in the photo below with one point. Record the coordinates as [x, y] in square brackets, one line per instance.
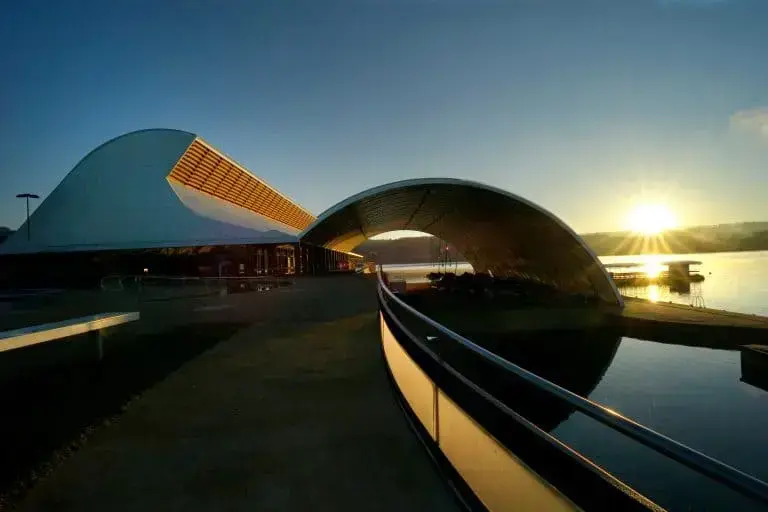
[585, 107]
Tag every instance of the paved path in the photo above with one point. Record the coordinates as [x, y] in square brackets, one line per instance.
[685, 325]
[292, 413]
[641, 309]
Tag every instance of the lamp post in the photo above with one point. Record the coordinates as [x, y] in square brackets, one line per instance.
[28, 197]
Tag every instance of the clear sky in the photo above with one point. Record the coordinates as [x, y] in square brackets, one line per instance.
[585, 107]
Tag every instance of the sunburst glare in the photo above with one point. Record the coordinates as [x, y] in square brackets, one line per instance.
[654, 293]
[651, 219]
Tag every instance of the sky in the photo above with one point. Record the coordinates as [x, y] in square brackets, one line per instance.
[587, 108]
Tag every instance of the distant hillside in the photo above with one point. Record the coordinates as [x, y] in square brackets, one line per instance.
[423, 249]
[747, 236]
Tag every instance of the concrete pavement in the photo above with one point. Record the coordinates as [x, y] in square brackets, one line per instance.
[294, 412]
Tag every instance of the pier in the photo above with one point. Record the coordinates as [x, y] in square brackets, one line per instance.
[676, 273]
[687, 325]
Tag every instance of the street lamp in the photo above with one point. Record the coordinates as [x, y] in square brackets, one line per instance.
[28, 197]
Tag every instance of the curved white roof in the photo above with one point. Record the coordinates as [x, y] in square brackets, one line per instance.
[125, 194]
[493, 229]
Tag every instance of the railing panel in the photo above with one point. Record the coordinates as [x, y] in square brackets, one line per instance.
[418, 390]
[498, 478]
[437, 350]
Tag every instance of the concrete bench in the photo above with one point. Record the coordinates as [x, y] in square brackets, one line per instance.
[27, 336]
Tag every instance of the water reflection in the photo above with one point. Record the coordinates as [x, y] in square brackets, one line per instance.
[754, 366]
[712, 400]
[575, 360]
[736, 281]
[681, 292]
[698, 396]
[691, 394]
[653, 293]
[653, 267]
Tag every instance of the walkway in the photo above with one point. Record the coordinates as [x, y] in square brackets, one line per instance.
[294, 412]
[685, 325]
[641, 309]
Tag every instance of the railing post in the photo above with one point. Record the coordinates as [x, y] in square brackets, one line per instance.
[436, 396]
[97, 336]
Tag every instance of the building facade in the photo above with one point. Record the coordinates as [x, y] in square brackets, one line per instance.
[163, 202]
[166, 203]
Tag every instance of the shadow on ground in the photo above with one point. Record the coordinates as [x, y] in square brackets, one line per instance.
[48, 412]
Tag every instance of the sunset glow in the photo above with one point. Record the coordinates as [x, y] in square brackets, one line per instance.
[651, 219]
[653, 269]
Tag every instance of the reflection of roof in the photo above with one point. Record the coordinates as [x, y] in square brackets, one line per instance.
[494, 230]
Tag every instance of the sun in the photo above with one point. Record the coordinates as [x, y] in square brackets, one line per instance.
[651, 219]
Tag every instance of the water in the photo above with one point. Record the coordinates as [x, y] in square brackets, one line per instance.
[418, 273]
[694, 395]
[734, 281]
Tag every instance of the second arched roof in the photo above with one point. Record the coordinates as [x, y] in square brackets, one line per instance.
[495, 230]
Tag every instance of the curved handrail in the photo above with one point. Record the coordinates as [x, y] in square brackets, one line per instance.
[675, 450]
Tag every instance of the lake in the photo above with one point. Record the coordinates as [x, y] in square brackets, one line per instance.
[694, 395]
[734, 281]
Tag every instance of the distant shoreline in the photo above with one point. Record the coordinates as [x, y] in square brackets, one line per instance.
[729, 238]
[463, 262]
[680, 253]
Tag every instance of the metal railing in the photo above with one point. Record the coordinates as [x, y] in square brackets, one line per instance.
[42, 333]
[699, 462]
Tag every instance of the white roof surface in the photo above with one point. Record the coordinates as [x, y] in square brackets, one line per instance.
[119, 197]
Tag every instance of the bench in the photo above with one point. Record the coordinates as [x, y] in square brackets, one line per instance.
[27, 336]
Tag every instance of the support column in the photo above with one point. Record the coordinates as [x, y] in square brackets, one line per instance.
[311, 257]
[299, 260]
